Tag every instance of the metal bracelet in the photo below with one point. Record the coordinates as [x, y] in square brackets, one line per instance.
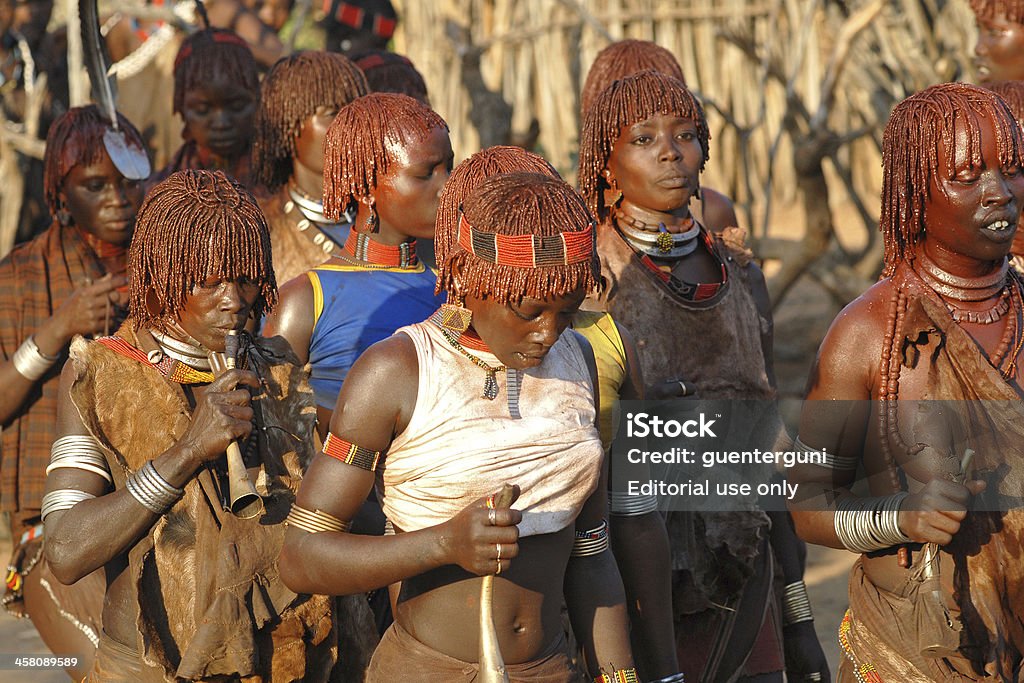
[30, 362]
[865, 525]
[315, 521]
[80, 452]
[591, 542]
[151, 490]
[796, 606]
[622, 504]
[830, 460]
[62, 499]
[671, 678]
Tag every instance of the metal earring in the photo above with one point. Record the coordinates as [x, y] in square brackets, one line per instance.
[372, 221]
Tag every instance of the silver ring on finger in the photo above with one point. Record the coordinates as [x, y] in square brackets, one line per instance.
[492, 516]
[685, 389]
[498, 545]
[815, 676]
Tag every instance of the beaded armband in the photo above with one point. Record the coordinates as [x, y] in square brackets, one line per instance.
[619, 676]
[591, 542]
[315, 521]
[351, 454]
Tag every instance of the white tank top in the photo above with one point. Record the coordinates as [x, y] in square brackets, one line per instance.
[459, 447]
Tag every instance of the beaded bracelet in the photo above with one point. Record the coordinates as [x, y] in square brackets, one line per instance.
[619, 676]
[151, 490]
[796, 607]
[30, 362]
[591, 542]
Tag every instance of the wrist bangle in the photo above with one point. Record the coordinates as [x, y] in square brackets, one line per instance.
[619, 676]
[672, 678]
[30, 362]
[865, 525]
[151, 490]
[796, 607]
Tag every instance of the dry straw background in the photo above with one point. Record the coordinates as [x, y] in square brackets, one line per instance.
[797, 94]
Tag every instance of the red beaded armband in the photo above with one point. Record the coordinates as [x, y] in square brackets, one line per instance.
[350, 453]
[619, 676]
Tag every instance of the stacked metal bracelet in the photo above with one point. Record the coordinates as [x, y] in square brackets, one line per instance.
[591, 542]
[796, 607]
[865, 525]
[30, 362]
[829, 460]
[619, 676]
[81, 453]
[151, 490]
[624, 505]
[672, 678]
[315, 521]
[62, 499]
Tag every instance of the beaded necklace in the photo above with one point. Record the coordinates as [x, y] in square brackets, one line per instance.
[891, 366]
[171, 368]
[490, 381]
[327, 233]
[472, 340]
[372, 254]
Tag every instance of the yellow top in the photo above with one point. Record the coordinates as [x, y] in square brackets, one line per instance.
[603, 335]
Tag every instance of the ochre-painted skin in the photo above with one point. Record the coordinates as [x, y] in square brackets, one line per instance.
[308, 160]
[215, 307]
[847, 368]
[101, 201]
[406, 196]
[219, 116]
[999, 53]
[521, 334]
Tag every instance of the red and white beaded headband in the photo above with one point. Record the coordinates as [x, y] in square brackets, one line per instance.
[527, 251]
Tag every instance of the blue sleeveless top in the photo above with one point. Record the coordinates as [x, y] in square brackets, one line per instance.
[355, 307]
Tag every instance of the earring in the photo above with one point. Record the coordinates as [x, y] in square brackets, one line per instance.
[372, 221]
[63, 215]
[455, 317]
[613, 195]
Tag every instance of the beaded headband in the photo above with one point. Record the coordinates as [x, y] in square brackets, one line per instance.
[356, 17]
[527, 251]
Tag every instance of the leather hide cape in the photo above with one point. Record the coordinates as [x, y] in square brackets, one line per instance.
[206, 586]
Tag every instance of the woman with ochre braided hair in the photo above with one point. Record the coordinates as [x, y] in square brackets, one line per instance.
[137, 480]
[386, 158]
[216, 92]
[301, 95]
[624, 58]
[697, 306]
[997, 54]
[919, 372]
[1012, 93]
[637, 531]
[70, 280]
[493, 389]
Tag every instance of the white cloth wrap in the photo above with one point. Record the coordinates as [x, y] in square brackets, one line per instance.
[459, 447]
